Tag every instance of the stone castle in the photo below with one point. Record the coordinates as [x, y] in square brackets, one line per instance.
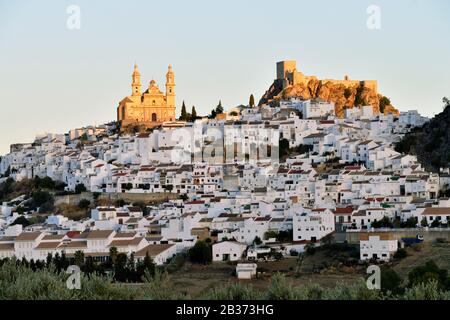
[150, 108]
[288, 75]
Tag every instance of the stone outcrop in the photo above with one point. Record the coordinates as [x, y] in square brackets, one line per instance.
[342, 96]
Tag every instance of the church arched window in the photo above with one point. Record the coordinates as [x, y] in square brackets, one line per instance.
[154, 118]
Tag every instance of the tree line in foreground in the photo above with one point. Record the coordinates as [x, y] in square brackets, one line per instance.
[20, 281]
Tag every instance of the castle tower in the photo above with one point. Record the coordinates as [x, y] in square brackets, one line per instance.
[286, 72]
[136, 82]
[170, 88]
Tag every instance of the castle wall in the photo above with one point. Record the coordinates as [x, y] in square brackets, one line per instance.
[288, 74]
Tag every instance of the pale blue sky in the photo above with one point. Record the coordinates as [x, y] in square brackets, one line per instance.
[53, 79]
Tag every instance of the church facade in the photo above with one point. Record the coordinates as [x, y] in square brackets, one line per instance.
[150, 108]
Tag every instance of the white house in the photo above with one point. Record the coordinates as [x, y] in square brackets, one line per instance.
[313, 225]
[316, 108]
[159, 253]
[441, 214]
[377, 245]
[228, 251]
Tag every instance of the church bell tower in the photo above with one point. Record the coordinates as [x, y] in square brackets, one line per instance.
[170, 88]
[136, 82]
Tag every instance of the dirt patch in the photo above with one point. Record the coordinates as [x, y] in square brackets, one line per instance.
[195, 280]
[72, 211]
[438, 252]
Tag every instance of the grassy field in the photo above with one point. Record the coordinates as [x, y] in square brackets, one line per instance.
[438, 252]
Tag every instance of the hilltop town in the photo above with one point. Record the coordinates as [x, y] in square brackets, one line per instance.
[252, 184]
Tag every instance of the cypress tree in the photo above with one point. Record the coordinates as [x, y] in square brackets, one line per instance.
[251, 101]
[219, 108]
[183, 112]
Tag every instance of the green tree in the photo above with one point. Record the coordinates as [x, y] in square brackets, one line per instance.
[435, 223]
[131, 274]
[384, 101]
[89, 265]
[145, 266]
[251, 101]
[257, 241]
[43, 200]
[347, 93]
[424, 222]
[183, 116]
[310, 249]
[120, 270]
[390, 280]
[219, 108]
[120, 203]
[385, 222]
[400, 253]
[79, 188]
[49, 260]
[84, 204]
[64, 261]
[270, 234]
[429, 272]
[359, 101]
[201, 252]
[79, 258]
[128, 186]
[22, 221]
[411, 222]
[284, 147]
[40, 197]
[113, 252]
[193, 114]
[284, 235]
[46, 182]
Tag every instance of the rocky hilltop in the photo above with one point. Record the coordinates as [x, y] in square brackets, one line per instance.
[342, 96]
[431, 142]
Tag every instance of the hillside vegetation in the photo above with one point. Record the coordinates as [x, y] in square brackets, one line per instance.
[431, 142]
